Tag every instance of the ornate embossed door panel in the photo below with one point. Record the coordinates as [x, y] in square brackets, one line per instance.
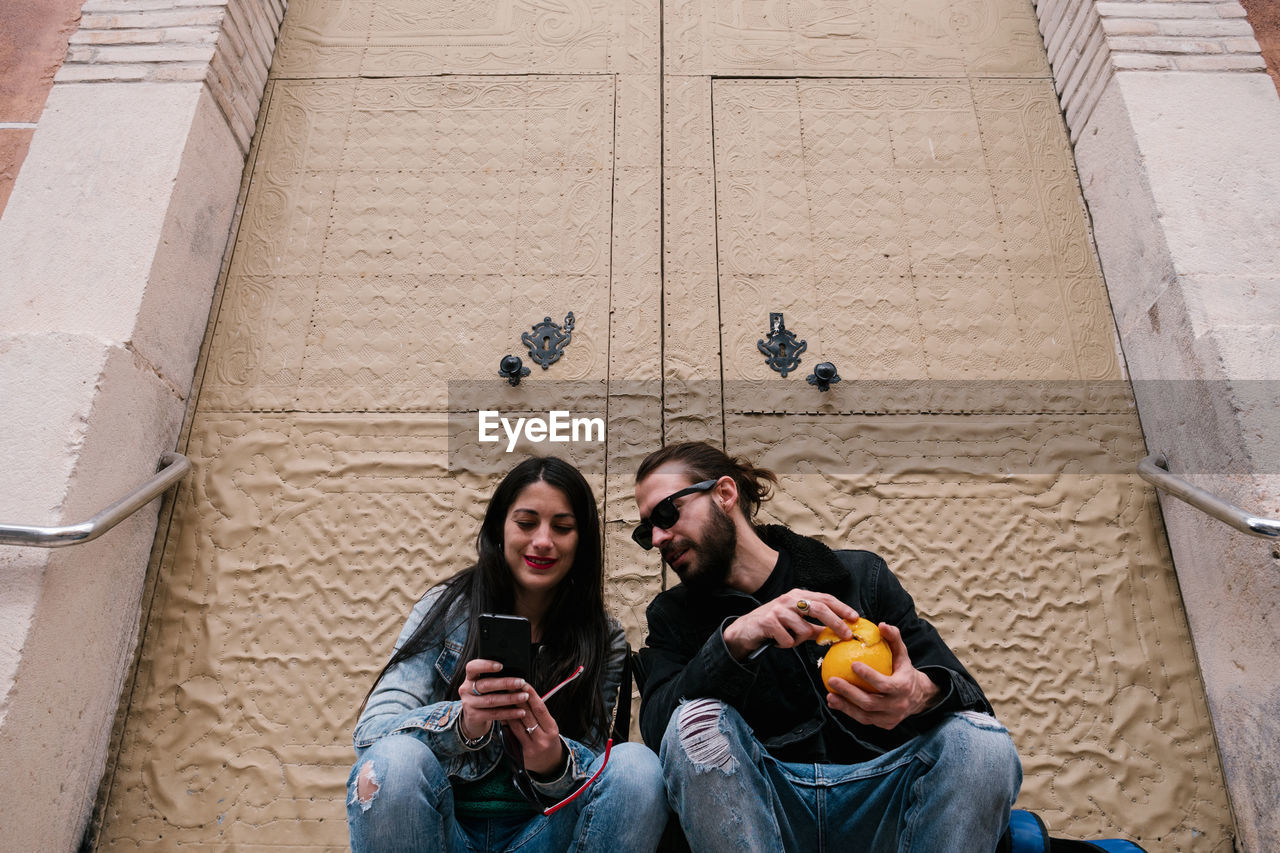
[879, 38]
[392, 38]
[896, 181]
[402, 228]
[399, 234]
[939, 220]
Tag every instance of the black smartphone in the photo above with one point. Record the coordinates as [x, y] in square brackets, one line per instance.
[508, 640]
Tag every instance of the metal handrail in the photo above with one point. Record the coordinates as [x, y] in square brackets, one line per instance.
[174, 467]
[1155, 470]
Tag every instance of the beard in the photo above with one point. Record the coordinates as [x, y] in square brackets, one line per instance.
[710, 560]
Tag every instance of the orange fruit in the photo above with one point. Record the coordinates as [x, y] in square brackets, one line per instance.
[867, 647]
[829, 637]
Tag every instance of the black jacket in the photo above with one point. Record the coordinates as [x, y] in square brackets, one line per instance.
[780, 693]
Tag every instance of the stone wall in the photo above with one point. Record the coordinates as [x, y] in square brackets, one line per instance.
[1087, 41]
[227, 45]
[1174, 122]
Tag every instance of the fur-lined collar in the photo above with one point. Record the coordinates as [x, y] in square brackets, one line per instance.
[815, 565]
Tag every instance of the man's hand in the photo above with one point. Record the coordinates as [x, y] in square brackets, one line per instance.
[908, 691]
[786, 624]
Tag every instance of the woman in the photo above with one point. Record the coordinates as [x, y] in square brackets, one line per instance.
[439, 746]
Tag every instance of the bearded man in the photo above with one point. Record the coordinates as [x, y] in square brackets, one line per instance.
[757, 752]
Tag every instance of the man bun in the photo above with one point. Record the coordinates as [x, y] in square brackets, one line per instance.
[704, 461]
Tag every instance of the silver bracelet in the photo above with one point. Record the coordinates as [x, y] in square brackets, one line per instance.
[477, 743]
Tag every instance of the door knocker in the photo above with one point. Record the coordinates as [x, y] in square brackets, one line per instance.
[782, 352]
[547, 341]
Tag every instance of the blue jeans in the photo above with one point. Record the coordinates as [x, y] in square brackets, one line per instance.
[947, 790]
[412, 809]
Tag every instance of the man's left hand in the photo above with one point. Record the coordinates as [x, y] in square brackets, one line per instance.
[892, 698]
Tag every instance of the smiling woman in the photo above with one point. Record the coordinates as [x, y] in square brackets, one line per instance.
[541, 538]
[450, 757]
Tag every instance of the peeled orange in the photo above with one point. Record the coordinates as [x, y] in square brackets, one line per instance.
[867, 647]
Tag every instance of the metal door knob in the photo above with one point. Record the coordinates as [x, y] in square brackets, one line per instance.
[512, 369]
[824, 376]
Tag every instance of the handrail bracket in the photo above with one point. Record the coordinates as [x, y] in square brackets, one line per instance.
[173, 467]
[1155, 470]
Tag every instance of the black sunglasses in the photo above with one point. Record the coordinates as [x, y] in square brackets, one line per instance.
[665, 514]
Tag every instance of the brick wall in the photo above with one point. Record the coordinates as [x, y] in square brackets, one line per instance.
[1087, 41]
[225, 43]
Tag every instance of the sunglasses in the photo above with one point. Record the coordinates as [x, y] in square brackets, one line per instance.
[520, 776]
[665, 514]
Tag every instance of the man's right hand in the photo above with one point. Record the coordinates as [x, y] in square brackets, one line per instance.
[787, 625]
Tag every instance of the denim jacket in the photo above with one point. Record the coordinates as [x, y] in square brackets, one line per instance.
[411, 699]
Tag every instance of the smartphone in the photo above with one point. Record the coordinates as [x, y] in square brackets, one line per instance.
[508, 640]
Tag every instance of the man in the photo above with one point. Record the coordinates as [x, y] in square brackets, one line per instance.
[757, 753]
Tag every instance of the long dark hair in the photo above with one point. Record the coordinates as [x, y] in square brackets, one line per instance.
[574, 628]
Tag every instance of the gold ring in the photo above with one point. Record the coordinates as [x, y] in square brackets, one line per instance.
[802, 605]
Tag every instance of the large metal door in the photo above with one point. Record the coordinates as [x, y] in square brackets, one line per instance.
[431, 180]
[895, 182]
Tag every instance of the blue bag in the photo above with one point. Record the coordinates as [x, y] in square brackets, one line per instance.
[1028, 834]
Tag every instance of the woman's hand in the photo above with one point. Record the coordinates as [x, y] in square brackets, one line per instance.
[540, 737]
[485, 700]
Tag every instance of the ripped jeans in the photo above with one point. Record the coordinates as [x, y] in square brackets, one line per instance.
[408, 806]
[947, 790]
